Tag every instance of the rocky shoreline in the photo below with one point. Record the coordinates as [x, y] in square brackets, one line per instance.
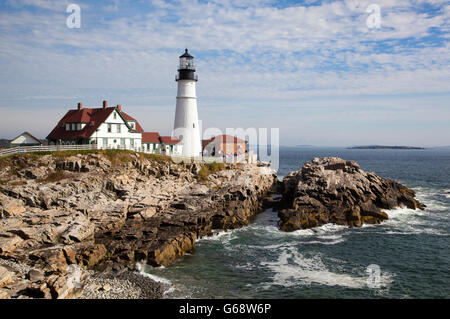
[76, 225]
[67, 216]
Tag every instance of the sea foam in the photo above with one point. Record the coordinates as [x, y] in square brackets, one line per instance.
[294, 269]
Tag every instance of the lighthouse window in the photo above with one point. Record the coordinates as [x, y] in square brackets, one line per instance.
[193, 125]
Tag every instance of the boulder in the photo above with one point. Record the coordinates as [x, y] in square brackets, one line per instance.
[80, 230]
[36, 275]
[50, 259]
[67, 286]
[334, 190]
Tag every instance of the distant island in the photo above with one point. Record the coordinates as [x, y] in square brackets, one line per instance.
[382, 147]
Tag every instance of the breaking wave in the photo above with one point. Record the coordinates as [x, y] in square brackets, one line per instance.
[293, 269]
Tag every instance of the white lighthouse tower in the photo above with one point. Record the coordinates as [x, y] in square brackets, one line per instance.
[186, 118]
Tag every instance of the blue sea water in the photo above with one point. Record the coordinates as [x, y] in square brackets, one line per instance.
[410, 250]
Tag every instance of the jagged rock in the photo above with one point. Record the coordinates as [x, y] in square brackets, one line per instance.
[9, 244]
[4, 294]
[34, 172]
[148, 212]
[67, 286]
[333, 190]
[50, 259]
[91, 255]
[11, 207]
[80, 230]
[36, 275]
[5, 276]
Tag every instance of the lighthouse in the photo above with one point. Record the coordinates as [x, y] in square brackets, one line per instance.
[186, 118]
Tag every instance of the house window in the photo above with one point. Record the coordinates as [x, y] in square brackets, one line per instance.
[74, 126]
[115, 115]
[109, 128]
[118, 127]
[193, 125]
[122, 141]
[131, 142]
[105, 142]
[132, 125]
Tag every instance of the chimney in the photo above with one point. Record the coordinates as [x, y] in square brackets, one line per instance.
[105, 104]
[80, 106]
[119, 107]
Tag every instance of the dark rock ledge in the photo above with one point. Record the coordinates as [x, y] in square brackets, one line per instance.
[333, 190]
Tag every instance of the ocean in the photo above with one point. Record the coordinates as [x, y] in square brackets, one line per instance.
[405, 257]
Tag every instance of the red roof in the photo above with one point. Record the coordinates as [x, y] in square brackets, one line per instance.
[92, 117]
[224, 139]
[38, 140]
[129, 118]
[169, 140]
[150, 137]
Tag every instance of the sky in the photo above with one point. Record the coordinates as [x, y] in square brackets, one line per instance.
[317, 70]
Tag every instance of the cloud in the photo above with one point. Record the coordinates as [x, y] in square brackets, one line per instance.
[248, 53]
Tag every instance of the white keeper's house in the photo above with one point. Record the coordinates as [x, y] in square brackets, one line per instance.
[109, 128]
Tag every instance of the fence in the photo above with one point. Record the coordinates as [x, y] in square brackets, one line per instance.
[56, 148]
[249, 157]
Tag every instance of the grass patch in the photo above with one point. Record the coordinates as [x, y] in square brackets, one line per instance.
[117, 158]
[156, 157]
[54, 177]
[208, 169]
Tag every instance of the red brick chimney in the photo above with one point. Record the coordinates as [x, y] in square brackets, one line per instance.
[119, 107]
[105, 104]
[80, 106]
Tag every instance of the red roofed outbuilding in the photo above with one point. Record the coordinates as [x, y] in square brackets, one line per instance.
[151, 142]
[224, 145]
[171, 145]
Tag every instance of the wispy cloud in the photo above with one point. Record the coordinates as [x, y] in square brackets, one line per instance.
[249, 53]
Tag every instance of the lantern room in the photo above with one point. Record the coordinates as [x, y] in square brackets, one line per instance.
[186, 70]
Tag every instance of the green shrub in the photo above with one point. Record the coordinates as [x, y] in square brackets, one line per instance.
[208, 169]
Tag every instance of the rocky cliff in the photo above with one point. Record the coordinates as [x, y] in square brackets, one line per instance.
[333, 190]
[61, 215]
[75, 225]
